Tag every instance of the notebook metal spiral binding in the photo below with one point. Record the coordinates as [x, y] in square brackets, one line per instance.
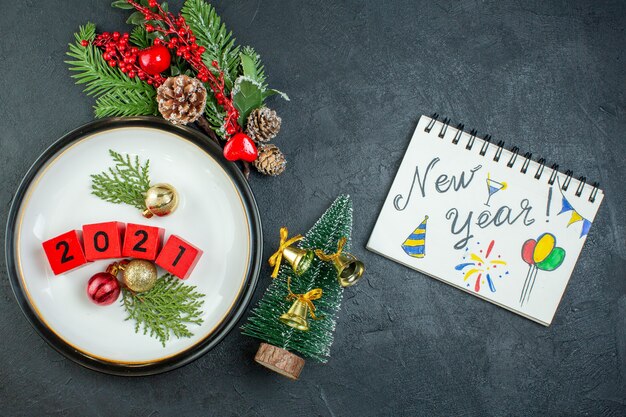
[582, 181]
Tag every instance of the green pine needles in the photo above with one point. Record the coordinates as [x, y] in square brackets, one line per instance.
[164, 310]
[126, 183]
[116, 93]
[263, 322]
[211, 33]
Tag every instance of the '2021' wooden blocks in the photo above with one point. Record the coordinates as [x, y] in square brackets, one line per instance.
[111, 240]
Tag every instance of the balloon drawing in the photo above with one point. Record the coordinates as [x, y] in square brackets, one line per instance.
[415, 244]
[493, 187]
[481, 267]
[540, 254]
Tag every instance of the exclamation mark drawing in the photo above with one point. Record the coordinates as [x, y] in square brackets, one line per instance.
[548, 206]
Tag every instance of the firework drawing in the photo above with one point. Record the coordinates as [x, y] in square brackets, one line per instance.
[482, 267]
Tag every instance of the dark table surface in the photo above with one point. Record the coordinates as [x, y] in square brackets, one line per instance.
[547, 76]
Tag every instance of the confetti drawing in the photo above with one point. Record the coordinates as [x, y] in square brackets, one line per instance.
[415, 244]
[481, 267]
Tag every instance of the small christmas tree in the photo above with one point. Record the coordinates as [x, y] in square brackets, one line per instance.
[281, 339]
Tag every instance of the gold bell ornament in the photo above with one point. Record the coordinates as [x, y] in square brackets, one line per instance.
[161, 200]
[300, 259]
[349, 268]
[138, 275]
[296, 317]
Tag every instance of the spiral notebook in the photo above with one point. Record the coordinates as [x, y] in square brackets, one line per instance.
[490, 221]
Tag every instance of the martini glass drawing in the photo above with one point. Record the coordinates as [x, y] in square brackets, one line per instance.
[493, 187]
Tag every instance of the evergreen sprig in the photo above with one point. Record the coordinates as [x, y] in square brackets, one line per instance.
[125, 183]
[164, 310]
[213, 35]
[119, 94]
[263, 321]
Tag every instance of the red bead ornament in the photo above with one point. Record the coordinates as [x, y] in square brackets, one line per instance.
[240, 147]
[155, 59]
[103, 288]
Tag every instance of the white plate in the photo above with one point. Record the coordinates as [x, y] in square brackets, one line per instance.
[217, 213]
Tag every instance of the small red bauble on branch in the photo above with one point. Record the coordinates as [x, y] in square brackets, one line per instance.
[103, 288]
[118, 52]
[155, 59]
[240, 147]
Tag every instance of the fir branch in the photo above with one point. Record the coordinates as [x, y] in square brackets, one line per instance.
[93, 71]
[124, 184]
[139, 36]
[129, 103]
[211, 33]
[164, 310]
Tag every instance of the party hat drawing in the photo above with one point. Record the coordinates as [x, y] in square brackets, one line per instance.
[415, 244]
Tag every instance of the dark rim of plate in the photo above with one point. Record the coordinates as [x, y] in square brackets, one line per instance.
[240, 304]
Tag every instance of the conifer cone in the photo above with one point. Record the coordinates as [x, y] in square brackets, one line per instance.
[181, 99]
[270, 161]
[263, 125]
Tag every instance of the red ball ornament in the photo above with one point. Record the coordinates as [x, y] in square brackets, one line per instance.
[155, 59]
[103, 289]
[240, 147]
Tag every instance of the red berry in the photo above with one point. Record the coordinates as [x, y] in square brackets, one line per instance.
[192, 39]
[157, 41]
[84, 42]
[112, 63]
[214, 63]
[116, 35]
[155, 59]
[201, 49]
[152, 3]
[131, 74]
[182, 32]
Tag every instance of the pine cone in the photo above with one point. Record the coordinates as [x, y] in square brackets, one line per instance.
[270, 161]
[263, 124]
[181, 99]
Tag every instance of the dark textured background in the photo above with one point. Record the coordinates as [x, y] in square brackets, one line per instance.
[547, 76]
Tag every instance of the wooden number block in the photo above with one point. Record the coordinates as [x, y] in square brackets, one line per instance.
[103, 240]
[178, 257]
[142, 242]
[65, 252]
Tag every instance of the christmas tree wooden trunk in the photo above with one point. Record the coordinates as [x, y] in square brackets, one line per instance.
[281, 339]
